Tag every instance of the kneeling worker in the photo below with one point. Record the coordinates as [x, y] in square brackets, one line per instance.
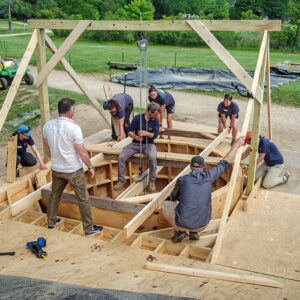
[193, 191]
[228, 108]
[272, 166]
[25, 158]
[145, 135]
[120, 108]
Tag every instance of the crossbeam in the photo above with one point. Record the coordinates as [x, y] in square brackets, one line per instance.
[161, 25]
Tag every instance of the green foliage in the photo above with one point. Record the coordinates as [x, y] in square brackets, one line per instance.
[249, 15]
[294, 11]
[283, 39]
[275, 9]
[139, 9]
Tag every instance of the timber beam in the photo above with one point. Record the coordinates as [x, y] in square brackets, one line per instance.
[186, 133]
[104, 203]
[161, 25]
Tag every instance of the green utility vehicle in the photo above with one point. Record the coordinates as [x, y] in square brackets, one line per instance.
[8, 70]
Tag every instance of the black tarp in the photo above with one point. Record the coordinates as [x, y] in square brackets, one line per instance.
[205, 79]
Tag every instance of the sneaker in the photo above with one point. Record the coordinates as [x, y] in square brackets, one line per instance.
[95, 230]
[194, 236]
[56, 224]
[178, 236]
[119, 185]
[286, 176]
[152, 188]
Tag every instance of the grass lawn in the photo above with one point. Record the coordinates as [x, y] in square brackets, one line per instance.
[92, 57]
[18, 28]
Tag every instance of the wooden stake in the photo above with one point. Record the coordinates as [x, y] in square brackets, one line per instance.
[253, 194]
[248, 279]
[11, 160]
[269, 100]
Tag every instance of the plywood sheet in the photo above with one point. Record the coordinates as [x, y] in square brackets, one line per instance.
[267, 237]
[79, 260]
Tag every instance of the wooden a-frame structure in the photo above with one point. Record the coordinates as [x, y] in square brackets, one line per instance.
[203, 28]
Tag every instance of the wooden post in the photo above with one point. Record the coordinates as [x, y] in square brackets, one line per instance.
[17, 79]
[11, 160]
[260, 72]
[269, 101]
[43, 88]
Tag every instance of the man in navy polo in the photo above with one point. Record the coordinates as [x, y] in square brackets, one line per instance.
[120, 108]
[143, 130]
[228, 108]
[272, 162]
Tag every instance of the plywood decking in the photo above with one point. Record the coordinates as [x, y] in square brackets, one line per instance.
[72, 259]
[266, 237]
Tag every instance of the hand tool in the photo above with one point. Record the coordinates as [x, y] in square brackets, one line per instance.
[36, 247]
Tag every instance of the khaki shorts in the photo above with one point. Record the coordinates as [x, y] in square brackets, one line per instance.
[168, 208]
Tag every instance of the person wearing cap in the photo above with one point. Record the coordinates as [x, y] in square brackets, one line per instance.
[25, 158]
[166, 102]
[64, 145]
[270, 162]
[190, 205]
[228, 108]
[120, 108]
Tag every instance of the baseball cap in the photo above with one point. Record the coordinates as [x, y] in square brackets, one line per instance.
[197, 162]
[24, 129]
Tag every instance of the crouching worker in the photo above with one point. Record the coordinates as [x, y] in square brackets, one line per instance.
[190, 207]
[25, 158]
[272, 162]
[146, 136]
[120, 108]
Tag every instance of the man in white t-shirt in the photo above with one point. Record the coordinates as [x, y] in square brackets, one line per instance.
[64, 145]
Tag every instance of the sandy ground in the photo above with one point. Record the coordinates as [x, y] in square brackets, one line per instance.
[190, 107]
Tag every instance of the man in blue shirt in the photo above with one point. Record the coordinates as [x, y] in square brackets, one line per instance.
[165, 101]
[272, 164]
[25, 158]
[120, 108]
[228, 108]
[143, 130]
[190, 207]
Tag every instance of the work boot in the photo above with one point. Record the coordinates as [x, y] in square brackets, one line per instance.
[178, 236]
[194, 236]
[286, 176]
[119, 185]
[152, 188]
[232, 142]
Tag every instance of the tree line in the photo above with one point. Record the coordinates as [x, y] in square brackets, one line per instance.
[286, 10]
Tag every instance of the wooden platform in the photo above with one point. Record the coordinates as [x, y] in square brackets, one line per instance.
[266, 237]
[95, 263]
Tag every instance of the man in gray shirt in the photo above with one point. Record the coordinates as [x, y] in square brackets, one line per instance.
[193, 193]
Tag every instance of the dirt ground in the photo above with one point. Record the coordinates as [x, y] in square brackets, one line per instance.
[190, 107]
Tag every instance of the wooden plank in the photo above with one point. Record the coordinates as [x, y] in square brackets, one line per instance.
[140, 199]
[249, 279]
[66, 45]
[11, 160]
[28, 200]
[213, 25]
[78, 81]
[43, 88]
[253, 194]
[97, 202]
[269, 99]
[131, 227]
[231, 186]
[224, 55]
[259, 79]
[184, 133]
[17, 79]
[107, 92]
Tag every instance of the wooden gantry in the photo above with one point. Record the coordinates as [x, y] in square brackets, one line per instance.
[203, 28]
